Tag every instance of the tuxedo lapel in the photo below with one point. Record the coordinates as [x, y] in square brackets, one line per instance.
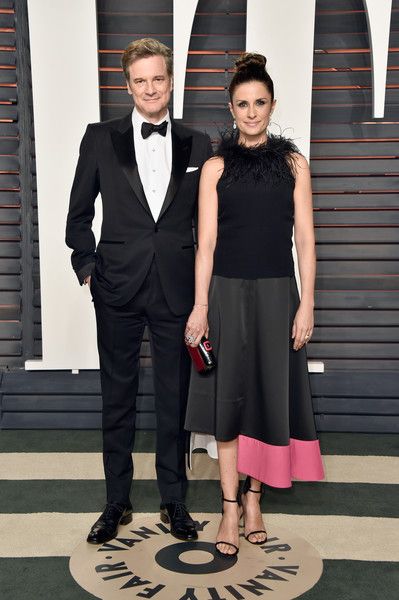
[122, 140]
[181, 150]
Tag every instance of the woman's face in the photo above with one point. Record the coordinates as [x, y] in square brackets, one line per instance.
[251, 107]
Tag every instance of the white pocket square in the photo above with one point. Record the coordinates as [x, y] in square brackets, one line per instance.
[191, 169]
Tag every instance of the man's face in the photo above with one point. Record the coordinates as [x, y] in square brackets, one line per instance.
[150, 86]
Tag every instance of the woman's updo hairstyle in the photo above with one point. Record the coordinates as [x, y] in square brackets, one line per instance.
[251, 67]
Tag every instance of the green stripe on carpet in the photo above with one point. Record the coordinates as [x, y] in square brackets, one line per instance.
[39, 579]
[65, 440]
[360, 444]
[372, 500]
[47, 578]
[73, 440]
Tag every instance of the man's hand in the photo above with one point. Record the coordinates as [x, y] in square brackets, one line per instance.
[87, 280]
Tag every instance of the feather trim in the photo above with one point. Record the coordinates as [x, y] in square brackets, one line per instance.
[271, 162]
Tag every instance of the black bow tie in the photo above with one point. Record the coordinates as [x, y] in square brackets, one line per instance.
[148, 128]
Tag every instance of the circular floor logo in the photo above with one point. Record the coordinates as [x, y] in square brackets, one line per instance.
[145, 561]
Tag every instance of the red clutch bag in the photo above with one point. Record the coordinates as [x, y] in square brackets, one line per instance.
[202, 356]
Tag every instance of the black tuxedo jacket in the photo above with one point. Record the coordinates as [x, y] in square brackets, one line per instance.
[130, 237]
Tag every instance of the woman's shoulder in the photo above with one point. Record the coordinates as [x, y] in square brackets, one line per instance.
[299, 165]
[287, 153]
[213, 167]
[214, 162]
[299, 159]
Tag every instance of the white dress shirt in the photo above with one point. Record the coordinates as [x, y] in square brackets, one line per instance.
[154, 161]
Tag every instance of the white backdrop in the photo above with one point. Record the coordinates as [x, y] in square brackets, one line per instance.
[289, 51]
[65, 98]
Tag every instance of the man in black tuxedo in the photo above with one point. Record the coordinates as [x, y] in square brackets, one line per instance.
[146, 167]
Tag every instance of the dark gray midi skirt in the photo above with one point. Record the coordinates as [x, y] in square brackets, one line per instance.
[259, 391]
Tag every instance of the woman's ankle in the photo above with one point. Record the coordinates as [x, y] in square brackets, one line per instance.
[230, 497]
[231, 508]
[255, 485]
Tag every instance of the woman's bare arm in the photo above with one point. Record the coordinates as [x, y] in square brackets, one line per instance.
[305, 245]
[197, 324]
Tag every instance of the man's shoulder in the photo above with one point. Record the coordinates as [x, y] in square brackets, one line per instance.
[111, 124]
[185, 131]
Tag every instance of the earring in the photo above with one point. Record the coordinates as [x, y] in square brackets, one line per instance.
[234, 125]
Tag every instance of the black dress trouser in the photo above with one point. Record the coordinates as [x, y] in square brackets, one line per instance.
[119, 335]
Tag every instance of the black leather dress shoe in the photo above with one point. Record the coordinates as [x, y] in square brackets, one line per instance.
[106, 527]
[182, 525]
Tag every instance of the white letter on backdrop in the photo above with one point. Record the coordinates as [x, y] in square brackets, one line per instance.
[63, 43]
[183, 19]
[379, 20]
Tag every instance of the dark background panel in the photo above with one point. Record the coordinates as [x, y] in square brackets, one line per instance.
[16, 186]
[354, 163]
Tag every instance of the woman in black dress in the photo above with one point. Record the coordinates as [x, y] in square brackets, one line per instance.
[257, 403]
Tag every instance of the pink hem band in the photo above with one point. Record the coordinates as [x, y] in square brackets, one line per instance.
[278, 465]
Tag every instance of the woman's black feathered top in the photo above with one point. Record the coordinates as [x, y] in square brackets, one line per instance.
[256, 209]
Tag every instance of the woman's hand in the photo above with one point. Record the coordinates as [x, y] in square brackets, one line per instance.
[302, 327]
[197, 325]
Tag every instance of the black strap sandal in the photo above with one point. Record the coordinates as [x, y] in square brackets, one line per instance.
[227, 554]
[247, 488]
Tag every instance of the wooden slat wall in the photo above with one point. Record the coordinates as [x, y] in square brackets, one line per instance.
[354, 161]
[356, 183]
[10, 196]
[16, 184]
